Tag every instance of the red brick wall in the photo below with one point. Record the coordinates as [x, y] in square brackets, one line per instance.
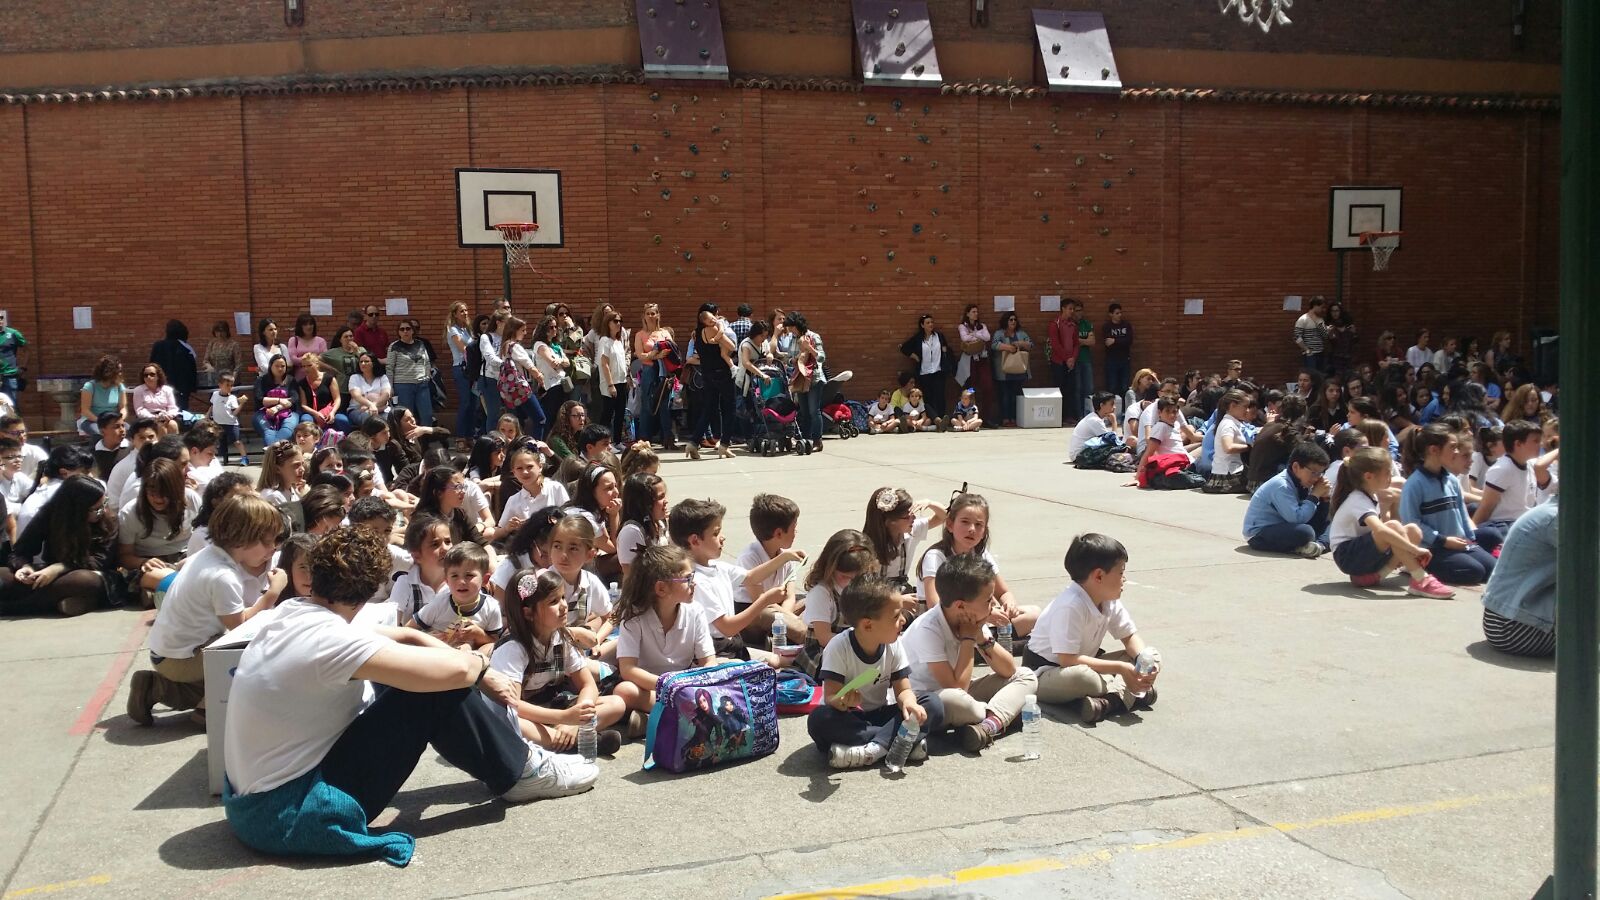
[352, 197]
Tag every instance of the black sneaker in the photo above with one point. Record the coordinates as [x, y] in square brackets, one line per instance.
[1147, 701]
[608, 742]
[1093, 709]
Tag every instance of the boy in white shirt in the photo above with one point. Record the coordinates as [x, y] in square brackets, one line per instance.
[775, 521]
[696, 526]
[1516, 483]
[14, 426]
[14, 486]
[1164, 435]
[1091, 427]
[460, 613]
[939, 645]
[225, 412]
[882, 417]
[1064, 650]
[201, 439]
[854, 729]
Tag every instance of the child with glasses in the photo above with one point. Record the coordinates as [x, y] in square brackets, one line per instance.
[660, 629]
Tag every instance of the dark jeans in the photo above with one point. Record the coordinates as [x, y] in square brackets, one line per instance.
[1066, 381]
[379, 750]
[713, 409]
[532, 416]
[1473, 565]
[932, 385]
[489, 396]
[1492, 534]
[1119, 375]
[1009, 389]
[1074, 410]
[1285, 537]
[1315, 362]
[811, 413]
[828, 726]
[417, 397]
[465, 406]
[618, 408]
[655, 406]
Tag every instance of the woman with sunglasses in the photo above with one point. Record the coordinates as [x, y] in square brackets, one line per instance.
[652, 347]
[61, 559]
[102, 393]
[409, 364]
[153, 398]
[552, 362]
[1009, 339]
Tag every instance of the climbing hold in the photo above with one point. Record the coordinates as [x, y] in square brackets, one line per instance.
[1061, 246]
[695, 149]
[726, 174]
[660, 50]
[1106, 157]
[888, 176]
[915, 192]
[1106, 184]
[900, 50]
[935, 212]
[872, 207]
[891, 256]
[905, 157]
[1105, 74]
[944, 188]
[716, 129]
[922, 138]
[1105, 232]
[926, 110]
[894, 13]
[1038, 195]
[1065, 70]
[1122, 249]
[655, 117]
[917, 69]
[1130, 173]
[715, 200]
[863, 259]
[883, 232]
[695, 198]
[1130, 142]
[1078, 161]
[1055, 48]
[674, 107]
[933, 260]
[650, 13]
[872, 119]
[916, 228]
[686, 174]
[666, 193]
[724, 225]
[636, 148]
[655, 95]
[655, 239]
[1044, 217]
[1037, 147]
[633, 190]
[705, 245]
[1088, 260]
[895, 103]
[666, 134]
[1097, 209]
[1099, 133]
[934, 164]
[655, 176]
[726, 144]
[693, 24]
[648, 214]
[861, 193]
[1072, 185]
[687, 256]
[704, 53]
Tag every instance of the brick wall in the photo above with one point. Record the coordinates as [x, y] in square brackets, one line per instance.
[205, 207]
[1440, 29]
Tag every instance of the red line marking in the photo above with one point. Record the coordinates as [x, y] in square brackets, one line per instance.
[108, 685]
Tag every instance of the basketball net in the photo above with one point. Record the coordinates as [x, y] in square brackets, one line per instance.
[518, 237]
[1264, 13]
[1383, 244]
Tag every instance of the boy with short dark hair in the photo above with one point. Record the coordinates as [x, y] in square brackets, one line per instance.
[225, 412]
[696, 526]
[854, 729]
[140, 433]
[939, 645]
[14, 486]
[32, 454]
[112, 445]
[1064, 649]
[202, 441]
[1092, 426]
[377, 516]
[1118, 333]
[594, 441]
[1289, 512]
[1516, 483]
[461, 614]
[774, 521]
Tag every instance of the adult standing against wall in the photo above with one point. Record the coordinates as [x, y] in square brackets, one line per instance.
[408, 364]
[222, 352]
[552, 363]
[1010, 340]
[714, 355]
[371, 334]
[1085, 370]
[651, 345]
[267, 346]
[931, 352]
[458, 336]
[973, 369]
[11, 343]
[177, 361]
[489, 381]
[1311, 336]
[1063, 364]
[304, 340]
[1341, 339]
[809, 362]
[1118, 332]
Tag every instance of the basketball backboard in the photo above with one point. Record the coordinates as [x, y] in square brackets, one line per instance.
[487, 197]
[1353, 210]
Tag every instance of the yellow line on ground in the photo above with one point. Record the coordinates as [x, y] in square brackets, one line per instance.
[56, 887]
[991, 872]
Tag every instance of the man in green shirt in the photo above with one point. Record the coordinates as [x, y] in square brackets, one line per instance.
[11, 342]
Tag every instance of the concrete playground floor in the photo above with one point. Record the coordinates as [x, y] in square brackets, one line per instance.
[1312, 740]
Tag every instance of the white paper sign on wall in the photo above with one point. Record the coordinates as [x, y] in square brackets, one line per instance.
[322, 306]
[397, 306]
[83, 317]
[241, 323]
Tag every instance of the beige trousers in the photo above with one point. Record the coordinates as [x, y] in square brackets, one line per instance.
[181, 683]
[991, 693]
[1064, 685]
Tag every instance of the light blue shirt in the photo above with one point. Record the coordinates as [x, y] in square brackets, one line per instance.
[1522, 587]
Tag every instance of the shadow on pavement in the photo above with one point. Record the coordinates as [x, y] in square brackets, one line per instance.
[1483, 650]
[806, 762]
[169, 726]
[183, 789]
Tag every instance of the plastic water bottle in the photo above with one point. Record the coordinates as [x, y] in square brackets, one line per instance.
[1031, 720]
[780, 632]
[1148, 660]
[587, 739]
[904, 740]
[1002, 635]
[616, 595]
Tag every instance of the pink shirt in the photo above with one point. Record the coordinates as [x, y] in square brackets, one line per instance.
[298, 348]
[149, 404]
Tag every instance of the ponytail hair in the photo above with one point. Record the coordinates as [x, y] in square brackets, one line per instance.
[1361, 463]
[1418, 441]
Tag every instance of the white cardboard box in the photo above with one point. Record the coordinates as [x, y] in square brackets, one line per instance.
[1039, 408]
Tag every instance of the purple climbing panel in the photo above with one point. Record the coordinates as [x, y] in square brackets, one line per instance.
[682, 39]
[1075, 51]
[894, 44]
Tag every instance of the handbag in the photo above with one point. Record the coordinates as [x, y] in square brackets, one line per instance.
[582, 368]
[1014, 362]
[436, 387]
[712, 715]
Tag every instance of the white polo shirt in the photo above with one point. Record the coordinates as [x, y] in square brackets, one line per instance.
[662, 650]
[522, 505]
[843, 660]
[930, 640]
[1073, 624]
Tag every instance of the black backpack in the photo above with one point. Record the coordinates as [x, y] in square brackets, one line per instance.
[474, 361]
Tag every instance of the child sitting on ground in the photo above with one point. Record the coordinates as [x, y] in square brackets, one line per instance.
[1365, 545]
[1289, 512]
[855, 729]
[571, 548]
[916, 414]
[1346, 441]
[1065, 652]
[1091, 427]
[660, 629]
[902, 395]
[1516, 483]
[1227, 466]
[643, 516]
[1431, 500]
[845, 556]
[1489, 448]
[895, 524]
[428, 542]
[775, 522]
[966, 531]
[1165, 435]
[965, 416]
[557, 692]
[460, 613]
[883, 417]
[939, 645]
[696, 526]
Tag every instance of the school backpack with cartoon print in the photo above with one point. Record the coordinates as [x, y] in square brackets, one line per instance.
[712, 715]
[859, 417]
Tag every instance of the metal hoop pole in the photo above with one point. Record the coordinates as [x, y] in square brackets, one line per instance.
[505, 273]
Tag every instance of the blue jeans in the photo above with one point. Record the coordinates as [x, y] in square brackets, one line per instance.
[9, 383]
[465, 404]
[811, 412]
[655, 411]
[828, 726]
[1119, 375]
[489, 395]
[418, 398]
[1085, 373]
[532, 417]
[283, 432]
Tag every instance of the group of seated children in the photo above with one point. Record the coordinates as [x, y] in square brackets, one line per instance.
[903, 411]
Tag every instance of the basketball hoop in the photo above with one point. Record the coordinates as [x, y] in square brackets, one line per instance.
[517, 236]
[1264, 13]
[1383, 244]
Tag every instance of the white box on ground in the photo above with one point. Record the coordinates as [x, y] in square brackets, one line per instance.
[1039, 408]
[221, 658]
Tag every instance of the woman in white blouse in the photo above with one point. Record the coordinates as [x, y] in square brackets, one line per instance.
[267, 345]
[370, 392]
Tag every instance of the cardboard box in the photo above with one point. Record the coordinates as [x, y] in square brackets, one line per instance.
[1039, 408]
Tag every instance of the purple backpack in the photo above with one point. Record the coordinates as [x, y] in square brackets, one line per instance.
[716, 714]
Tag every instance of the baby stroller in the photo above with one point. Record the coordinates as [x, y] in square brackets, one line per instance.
[779, 429]
[839, 418]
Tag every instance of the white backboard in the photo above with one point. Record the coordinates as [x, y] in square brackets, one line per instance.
[486, 197]
[1354, 209]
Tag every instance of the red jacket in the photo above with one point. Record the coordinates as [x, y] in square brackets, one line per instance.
[1063, 340]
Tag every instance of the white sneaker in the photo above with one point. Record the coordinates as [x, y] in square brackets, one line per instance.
[842, 756]
[1310, 550]
[547, 775]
